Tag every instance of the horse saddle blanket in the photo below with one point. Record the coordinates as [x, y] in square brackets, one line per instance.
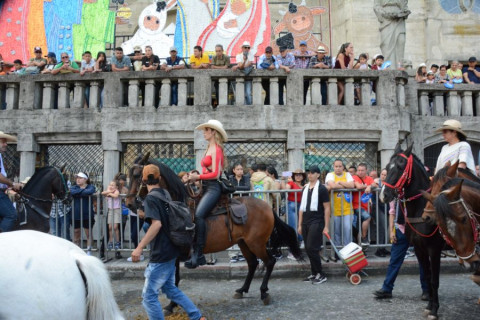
[236, 209]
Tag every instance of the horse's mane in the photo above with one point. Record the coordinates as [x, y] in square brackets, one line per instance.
[466, 183]
[175, 185]
[442, 175]
[37, 176]
[470, 174]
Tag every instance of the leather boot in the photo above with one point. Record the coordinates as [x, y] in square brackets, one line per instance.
[197, 259]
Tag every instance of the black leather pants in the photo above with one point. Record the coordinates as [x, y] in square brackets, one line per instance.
[211, 195]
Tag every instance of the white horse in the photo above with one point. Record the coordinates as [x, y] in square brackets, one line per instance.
[47, 277]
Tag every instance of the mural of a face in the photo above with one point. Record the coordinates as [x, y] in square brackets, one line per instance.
[151, 21]
[300, 21]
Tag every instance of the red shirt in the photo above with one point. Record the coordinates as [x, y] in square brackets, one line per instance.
[291, 195]
[208, 174]
[368, 181]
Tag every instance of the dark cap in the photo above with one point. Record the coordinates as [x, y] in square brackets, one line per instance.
[37, 49]
[314, 169]
[151, 169]
[268, 49]
[472, 59]
[51, 55]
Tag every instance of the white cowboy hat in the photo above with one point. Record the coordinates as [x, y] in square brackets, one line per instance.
[7, 137]
[452, 124]
[216, 125]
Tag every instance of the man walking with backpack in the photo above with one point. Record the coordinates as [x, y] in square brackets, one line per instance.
[160, 272]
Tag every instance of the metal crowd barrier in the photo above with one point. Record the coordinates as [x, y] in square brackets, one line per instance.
[62, 224]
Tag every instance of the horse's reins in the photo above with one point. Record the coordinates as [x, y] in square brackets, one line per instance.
[399, 187]
[475, 228]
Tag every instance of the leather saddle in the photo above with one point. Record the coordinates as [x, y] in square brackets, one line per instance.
[233, 208]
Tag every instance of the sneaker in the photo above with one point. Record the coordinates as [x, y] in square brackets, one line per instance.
[365, 242]
[381, 294]
[234, 259]
[320, 278]
[291, 257]
[89, 251]
[117, 246]
[409, 254]
[309, 278]
[240, 257]
[110, 246]
[302, 245]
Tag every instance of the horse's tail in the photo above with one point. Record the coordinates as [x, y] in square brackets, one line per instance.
[100, 300]
[285, 235]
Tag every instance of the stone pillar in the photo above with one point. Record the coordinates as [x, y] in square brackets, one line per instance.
[202, 89]
[28, 148]
[149, 93]
[63, 95]
[133, 93]
[222, 91]
[423, 105]
[401, 92]
[332, 91]
[79, 95]
[295, 147]
[112, 147]
[48, 95]
[257, 91]
[467, 103]
[199, 145]
[349, 96]
[438, 105]
[294, 89]
[240, 92]
[388, 140]
[453, 108]
[165, 92]
[366, 90]
[182, 92]
[273, 91]
[94, 98]
[12, 96]
[113, 90]
[27, 100]
[315, 91]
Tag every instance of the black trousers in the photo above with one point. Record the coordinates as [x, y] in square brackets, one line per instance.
[313, 236]
[211, 195]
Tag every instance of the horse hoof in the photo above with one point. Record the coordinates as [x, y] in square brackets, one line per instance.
[432, 317]
[426, 312]
[266, 300]
[238, 295]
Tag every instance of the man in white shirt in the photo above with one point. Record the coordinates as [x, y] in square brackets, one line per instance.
[245, 64]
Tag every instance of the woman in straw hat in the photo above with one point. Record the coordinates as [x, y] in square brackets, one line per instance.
[212, 165]
[457, 147]
[8, 214]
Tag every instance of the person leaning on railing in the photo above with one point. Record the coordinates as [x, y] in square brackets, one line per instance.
[65, 65]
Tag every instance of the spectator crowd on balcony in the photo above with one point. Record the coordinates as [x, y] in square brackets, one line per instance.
[299, 58]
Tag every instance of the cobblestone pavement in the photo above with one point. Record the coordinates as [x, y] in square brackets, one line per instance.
[294, 299]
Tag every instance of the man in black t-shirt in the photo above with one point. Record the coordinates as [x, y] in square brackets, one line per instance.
[313, 221]
[160, 271]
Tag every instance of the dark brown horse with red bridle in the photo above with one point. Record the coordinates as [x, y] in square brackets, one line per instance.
[263, 227]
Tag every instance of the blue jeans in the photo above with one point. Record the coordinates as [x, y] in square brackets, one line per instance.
[399, 249]
[293, 208]
[57, 226]
[8, 214]
[162, 276]
[248, 92]
[174, 93]
[364, 214]
[342, 224]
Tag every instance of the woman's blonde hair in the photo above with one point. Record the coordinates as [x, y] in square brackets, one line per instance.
[219, 140]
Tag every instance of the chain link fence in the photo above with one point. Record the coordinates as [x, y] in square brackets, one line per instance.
[179, 156]
[11, 162]
[247, 153]
[87, 158]
[324, 154]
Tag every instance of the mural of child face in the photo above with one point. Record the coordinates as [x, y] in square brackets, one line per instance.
[151, 22]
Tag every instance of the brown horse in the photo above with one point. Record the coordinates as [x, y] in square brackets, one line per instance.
[262, 228]
[457, 209]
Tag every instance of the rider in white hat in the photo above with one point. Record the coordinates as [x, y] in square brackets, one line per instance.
[457, 148]
[8, 213]
[212, 165]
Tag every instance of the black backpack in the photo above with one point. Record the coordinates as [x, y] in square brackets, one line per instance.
[180, 228]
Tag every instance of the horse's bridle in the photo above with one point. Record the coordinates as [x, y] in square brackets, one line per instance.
[475, 228]
[140, 184]
[404, 179]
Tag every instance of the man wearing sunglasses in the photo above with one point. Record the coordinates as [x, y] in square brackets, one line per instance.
[66, 66]
[245, 64]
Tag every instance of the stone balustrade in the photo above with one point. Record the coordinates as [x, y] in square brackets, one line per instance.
[155, 89]
[436, 100]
